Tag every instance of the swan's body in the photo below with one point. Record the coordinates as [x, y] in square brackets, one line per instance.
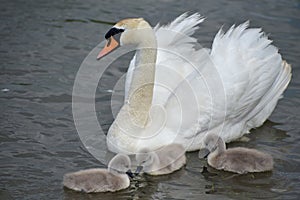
[190, 91]
[239, 160]
[101, 180]
[162, 161]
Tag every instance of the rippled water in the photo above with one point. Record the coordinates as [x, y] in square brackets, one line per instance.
[42, 46]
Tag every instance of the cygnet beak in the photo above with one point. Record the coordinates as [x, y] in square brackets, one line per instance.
[138, 170]
[203, 153]
[129, 173]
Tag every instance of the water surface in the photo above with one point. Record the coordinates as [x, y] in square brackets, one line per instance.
[42, 46]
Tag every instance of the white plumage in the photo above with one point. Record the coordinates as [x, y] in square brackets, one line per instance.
[227, 90]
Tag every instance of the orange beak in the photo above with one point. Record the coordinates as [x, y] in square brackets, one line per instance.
[111, 44]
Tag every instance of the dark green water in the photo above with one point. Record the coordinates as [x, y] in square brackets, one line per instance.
[42, 46]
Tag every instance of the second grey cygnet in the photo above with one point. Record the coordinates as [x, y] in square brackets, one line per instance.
[165, 160]
[238, 160]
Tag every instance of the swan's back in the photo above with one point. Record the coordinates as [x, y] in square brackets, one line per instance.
[236, 90]
[242, 160]
[253, 73]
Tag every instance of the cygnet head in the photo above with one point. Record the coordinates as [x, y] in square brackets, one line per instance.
[212, 143]
[120, 164]
[134, 31]
[146, 159]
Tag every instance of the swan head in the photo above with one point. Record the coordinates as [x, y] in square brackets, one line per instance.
[135, 31]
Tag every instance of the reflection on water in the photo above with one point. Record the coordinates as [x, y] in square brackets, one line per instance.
[42, 46]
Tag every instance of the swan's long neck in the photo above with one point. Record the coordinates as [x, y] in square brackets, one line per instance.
[141, 89]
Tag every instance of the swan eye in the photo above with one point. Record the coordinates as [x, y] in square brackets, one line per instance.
[113, 31]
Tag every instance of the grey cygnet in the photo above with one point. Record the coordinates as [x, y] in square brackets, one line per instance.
[101, 180]
[165, 160]
[238, 160]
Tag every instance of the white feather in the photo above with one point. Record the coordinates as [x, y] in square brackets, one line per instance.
[250, 70]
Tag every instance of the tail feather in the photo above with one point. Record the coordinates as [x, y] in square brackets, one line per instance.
[184, 24]
[267, 104]
[179, 31]
[253, 74]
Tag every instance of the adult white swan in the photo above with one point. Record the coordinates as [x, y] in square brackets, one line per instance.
[176, 91]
